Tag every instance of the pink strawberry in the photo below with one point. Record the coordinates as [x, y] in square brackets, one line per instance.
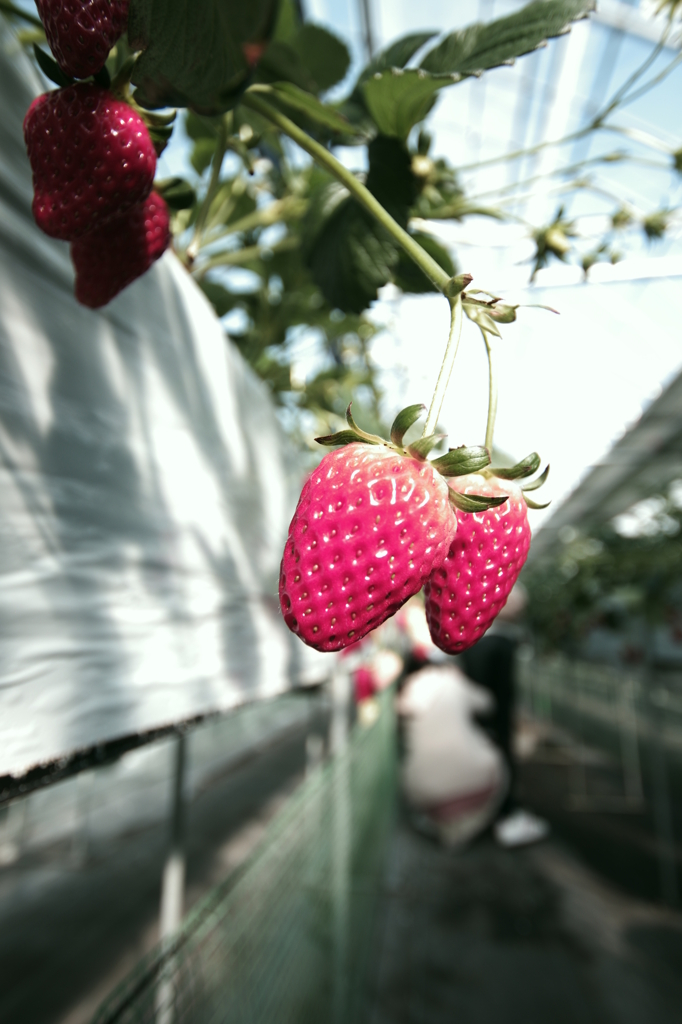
[91, 156]
[371, 525]
[81, 32]
[470, 588]
[112, 256]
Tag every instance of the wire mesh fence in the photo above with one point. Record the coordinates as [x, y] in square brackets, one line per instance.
[79, 818]
[289, 936]
[624, 725]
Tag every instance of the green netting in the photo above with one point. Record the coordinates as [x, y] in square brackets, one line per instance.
[288, 938]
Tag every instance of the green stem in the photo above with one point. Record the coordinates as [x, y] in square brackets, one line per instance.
[322, 156]
[492, 395]
[597, 121]
[237, 257]
[558, 172]
[639, 136]
[456, 317]
[290, 208]
[8, 8]
[621, 93]
[218, 156]
[529, 151]
[451, 287]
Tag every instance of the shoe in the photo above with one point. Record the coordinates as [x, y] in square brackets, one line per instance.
[520, 828]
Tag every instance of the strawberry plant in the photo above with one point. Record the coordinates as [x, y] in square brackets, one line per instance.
[320, 241]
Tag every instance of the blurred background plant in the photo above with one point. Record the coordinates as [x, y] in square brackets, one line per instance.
[624, 572]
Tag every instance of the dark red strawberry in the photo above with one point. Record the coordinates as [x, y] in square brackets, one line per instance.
[82, 32]
[464, 595]
[91, 156]
[111, 257]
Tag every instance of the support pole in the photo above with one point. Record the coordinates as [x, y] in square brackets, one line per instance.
[665, 837]
[341, 840]
[173, 883]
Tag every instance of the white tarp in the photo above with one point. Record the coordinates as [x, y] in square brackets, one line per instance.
[144, 495]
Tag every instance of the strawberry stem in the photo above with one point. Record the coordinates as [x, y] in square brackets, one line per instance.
[456, 317]
[492, 394]
[213, 185]
[325, 159]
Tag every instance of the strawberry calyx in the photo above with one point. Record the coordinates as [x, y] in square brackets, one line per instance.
[521, 471]
[159, 125]
[488, 313]
[456, 462]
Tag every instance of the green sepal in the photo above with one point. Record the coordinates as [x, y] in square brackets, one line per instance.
[537, 483]
[420, 449]
[460, 461]
[344, 437]
[51, 69]
[479, 313]
[475, 502]
[102, 78]
[503, 314]
[178, 193]
[403, 422]
[153, 119]
[526, 467]
[160, 137]
[534, 504]
[362, 435]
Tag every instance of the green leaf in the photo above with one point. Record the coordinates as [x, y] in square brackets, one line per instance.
[475, 502]
[526, 467]
[479, 47]
[397, 100]
[343, 437]
[281, 63]
[411, 278]
[178, 193]
[534, 504]
[220, 298]
[390, 178]
[420, 449]
[202, 154]
[198, 127]
[460, 461]
[324, 55]
[193, 54]
[403, 421]
[289, 95]
[51, 69]
[349, 255]
[537, 483]
[397, 54]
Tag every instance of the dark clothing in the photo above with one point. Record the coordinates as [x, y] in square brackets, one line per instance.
[490, 663]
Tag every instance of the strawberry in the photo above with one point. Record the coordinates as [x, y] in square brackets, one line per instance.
[373, 521]
[465, 594]
[369, 528]
[112, 256]
[81, 32]
[91, 156]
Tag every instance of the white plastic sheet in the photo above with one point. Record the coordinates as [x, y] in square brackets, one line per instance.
[144, 495]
